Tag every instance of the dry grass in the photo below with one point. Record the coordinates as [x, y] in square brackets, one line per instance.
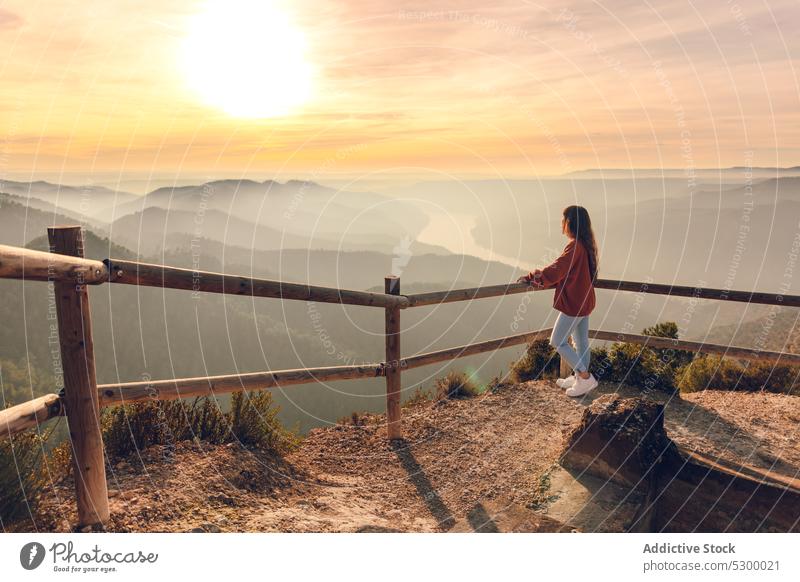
[454, 386]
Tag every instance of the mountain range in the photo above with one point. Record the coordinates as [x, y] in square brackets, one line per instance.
[663, 233]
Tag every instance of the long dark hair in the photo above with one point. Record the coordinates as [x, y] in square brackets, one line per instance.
[580, 227]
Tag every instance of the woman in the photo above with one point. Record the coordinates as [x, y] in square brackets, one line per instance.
[572, 275]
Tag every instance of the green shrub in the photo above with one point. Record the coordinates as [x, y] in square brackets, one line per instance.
[204, 420]
[770, 377]
[709, 372]
[540, 361]
[133, 427]
[252, 420]
[600, 364]
[21, 475]
[632, 364]
[59, 461]
[128, 428]
[455, 385]
[639, 366]
[622, 362]
[715, 372]
[674, 358]
[664, 369]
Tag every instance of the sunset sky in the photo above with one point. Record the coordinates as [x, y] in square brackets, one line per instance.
[347, 88]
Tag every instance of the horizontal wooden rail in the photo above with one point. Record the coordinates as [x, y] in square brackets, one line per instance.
[472, 349]
[700, 292]
[16, 419]
[452, 295]
[134, 273]
[21, 263]
[22, 416]
[114, 394]
[737, 352]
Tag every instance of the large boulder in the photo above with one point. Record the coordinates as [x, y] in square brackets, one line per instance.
[623, 442]
[619, 440]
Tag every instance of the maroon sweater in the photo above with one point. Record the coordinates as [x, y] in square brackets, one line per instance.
[569, 276]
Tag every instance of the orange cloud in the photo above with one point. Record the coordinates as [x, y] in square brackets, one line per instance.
[507, 87]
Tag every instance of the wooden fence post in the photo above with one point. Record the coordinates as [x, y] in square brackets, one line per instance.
[392, 287]
[80, 383]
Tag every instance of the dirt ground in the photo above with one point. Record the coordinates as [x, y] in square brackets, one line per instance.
[455, 454]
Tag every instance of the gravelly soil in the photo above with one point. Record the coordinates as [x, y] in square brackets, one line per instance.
[456, 453]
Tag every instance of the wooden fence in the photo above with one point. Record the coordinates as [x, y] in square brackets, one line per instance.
[82, 398]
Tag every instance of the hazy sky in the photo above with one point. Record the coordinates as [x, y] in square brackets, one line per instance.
[502, 88]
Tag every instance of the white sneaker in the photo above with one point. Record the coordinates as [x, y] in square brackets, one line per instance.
[567, 382]
[582, 386]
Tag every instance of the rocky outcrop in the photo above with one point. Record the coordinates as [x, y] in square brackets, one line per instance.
[619, 440]
[623, 442]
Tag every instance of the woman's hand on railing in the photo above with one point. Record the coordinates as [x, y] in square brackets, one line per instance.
[532, 279]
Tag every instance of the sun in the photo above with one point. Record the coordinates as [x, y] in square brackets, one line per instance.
[247, 58]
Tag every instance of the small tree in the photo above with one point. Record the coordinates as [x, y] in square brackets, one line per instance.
[674, 358]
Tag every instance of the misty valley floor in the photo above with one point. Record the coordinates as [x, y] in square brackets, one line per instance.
[487, 452]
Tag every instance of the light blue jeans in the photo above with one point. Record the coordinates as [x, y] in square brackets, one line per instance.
[578, 328]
